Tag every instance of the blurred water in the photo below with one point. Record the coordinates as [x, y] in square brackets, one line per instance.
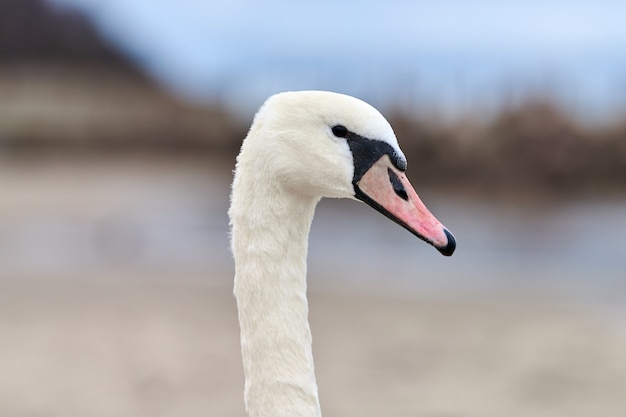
[167, 220]
[570, 251]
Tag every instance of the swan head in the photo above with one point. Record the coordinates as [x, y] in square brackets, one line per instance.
[324, 144]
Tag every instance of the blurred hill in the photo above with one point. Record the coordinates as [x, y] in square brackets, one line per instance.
[35, 32]
[63, 86]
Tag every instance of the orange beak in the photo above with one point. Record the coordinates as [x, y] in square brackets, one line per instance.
[388, 190]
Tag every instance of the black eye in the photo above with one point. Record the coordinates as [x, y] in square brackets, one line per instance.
[340, 131]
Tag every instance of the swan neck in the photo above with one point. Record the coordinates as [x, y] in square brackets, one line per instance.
[269, 244]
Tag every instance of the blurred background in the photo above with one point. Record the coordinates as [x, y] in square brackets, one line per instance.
[119, 126]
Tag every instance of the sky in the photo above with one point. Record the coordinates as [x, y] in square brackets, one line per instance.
[448, 53]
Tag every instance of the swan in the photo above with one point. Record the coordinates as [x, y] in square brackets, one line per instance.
[303, 146]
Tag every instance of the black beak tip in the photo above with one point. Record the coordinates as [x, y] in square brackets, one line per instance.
[450, 247]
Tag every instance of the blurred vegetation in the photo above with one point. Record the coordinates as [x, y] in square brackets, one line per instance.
[534, 147]
[51, 108]
[62, 88]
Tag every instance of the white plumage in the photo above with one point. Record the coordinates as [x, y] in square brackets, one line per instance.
[303, 146]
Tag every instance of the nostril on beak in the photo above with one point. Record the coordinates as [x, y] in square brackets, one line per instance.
[398, 188]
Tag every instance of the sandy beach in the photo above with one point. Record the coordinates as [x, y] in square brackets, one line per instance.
[140, 349]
